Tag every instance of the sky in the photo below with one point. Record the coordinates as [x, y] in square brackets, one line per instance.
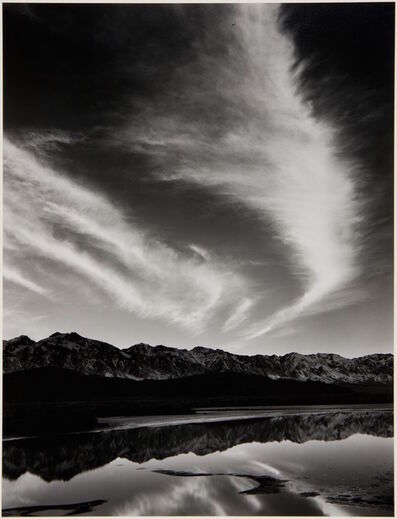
[215, 175]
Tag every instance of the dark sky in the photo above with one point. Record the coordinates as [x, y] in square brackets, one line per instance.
[205, 174]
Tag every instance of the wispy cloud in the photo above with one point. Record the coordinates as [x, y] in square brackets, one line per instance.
[269, 153]
[15, 276]
[240, 314]
[50, 217]
[200, 251]
[233, 121]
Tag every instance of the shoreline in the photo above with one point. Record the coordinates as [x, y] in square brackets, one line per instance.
[212, 415]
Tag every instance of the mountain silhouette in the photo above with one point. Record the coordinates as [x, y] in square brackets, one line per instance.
[142, 362]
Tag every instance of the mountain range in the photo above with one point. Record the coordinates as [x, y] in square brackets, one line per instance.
[144, 362]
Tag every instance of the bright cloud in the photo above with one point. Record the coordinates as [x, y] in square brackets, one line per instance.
[49, 217]
[264, 150]
[274, 157]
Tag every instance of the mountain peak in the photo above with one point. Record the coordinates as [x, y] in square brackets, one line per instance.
[141, 348]
[21, 339]
[203, 349]
[69, 335]
[294, 355]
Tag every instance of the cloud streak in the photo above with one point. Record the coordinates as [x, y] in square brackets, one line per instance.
[49, 217]
[204, 191]
[15, 276]
[269, 153]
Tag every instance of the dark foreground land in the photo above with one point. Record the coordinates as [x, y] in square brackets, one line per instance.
[48, 400]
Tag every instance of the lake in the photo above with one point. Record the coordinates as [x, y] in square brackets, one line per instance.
[249, 461]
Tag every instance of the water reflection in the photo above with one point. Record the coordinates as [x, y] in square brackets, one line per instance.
[63, 457]
[260, 467]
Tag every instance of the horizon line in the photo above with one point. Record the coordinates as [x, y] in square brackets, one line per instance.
[195, 347]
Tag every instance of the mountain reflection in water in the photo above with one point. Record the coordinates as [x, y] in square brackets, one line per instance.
[63, 457]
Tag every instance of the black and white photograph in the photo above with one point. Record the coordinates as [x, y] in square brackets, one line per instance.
[198, 233]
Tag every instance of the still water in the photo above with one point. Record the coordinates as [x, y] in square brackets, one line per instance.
[311, 461]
